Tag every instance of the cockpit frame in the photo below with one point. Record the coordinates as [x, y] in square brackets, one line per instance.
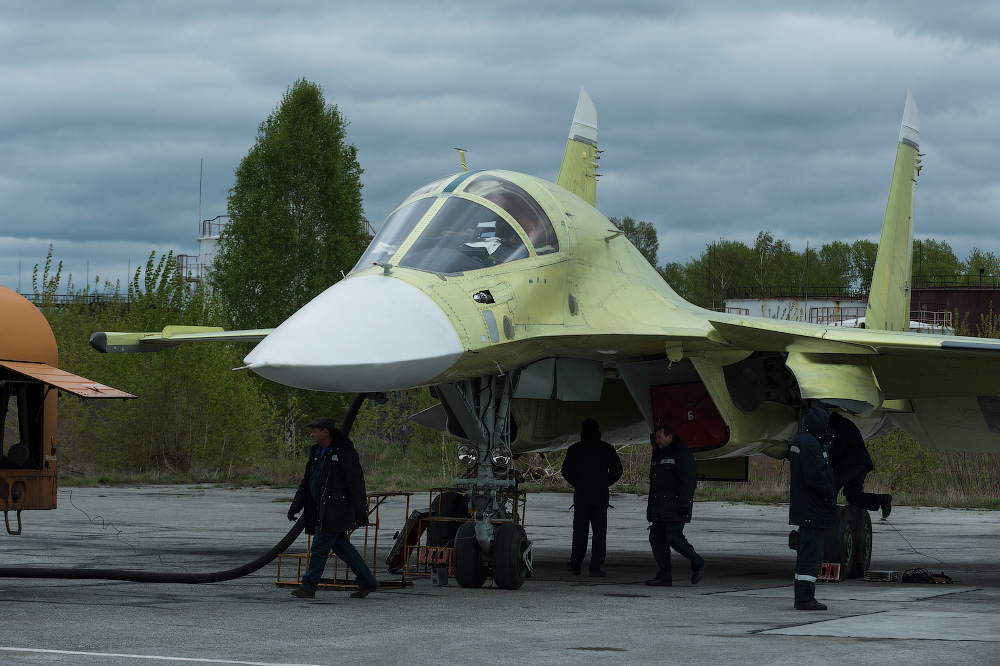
[463, 223]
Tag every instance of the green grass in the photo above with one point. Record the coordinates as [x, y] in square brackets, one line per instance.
[953, 480]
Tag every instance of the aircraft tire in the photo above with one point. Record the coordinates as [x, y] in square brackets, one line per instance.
[467, 559]
[446, 505]
[839, 542]
[509, 547]
[862, 542]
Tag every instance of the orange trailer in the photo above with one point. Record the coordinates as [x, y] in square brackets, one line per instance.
[30, 383]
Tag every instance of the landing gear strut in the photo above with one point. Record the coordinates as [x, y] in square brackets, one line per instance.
[493, 541]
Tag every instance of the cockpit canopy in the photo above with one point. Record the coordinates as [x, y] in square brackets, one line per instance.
[464, 224]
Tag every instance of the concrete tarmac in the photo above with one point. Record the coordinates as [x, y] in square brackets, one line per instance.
[740, 613]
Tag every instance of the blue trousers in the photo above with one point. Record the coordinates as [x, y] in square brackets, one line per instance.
[322, 543]
[664, 535]
[585, 517]
[808, 562]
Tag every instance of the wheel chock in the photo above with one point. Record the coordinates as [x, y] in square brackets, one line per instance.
[829, 572]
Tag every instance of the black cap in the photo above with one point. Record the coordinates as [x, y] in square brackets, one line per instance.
[323, 422]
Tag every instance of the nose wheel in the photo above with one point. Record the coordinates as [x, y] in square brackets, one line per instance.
[470, 571]
[511, 557]
[511, 562]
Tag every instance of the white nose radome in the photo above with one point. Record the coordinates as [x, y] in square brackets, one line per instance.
[368, 333]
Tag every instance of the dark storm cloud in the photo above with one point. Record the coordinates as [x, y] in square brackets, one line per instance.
[717, 119]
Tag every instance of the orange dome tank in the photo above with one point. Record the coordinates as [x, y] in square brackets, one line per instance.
[25, 334]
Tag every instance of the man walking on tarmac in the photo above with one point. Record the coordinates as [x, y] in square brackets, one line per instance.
[813, 503]
[672, 480]
[332, 492]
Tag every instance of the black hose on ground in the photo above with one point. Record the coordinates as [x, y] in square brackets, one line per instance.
[158, 577]
[183, 578]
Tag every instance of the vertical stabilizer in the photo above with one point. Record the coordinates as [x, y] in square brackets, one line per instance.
[889, 298]
[578, 172]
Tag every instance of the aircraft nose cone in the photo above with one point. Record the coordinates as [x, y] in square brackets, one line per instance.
[368, 333]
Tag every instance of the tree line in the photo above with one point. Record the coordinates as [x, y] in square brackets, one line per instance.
[727, 265]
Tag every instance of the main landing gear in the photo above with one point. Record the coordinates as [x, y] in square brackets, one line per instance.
[493, 541]
[848, 544]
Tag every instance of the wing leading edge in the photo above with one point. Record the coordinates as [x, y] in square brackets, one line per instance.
[111, 342]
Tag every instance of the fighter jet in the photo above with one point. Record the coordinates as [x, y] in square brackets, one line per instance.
[527, 311]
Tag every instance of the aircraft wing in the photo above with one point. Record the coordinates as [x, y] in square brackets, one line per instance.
[903, 365]
[170, 336]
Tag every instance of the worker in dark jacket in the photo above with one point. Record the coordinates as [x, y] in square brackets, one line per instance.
[332, 492]
[672, 480]
[591, 467]
[851, 463]
[813, 503]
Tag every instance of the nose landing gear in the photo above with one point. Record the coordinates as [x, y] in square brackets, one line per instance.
[493, 542]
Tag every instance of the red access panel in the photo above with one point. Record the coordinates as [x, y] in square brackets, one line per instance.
[689, 410]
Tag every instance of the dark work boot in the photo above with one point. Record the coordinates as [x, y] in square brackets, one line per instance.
[805, 596]
[304, 593]
[363, 592]
[886, 506]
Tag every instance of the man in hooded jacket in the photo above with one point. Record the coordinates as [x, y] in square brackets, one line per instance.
[672, 481]
[591, 466]
[813, 503]
[332, 492]
[851, 463]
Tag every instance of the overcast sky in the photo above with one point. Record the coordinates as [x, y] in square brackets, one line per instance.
[717, 119]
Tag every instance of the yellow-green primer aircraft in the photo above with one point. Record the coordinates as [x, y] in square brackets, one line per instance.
[527, 311]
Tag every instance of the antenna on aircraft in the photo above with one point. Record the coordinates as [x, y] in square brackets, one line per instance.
[461, 153]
